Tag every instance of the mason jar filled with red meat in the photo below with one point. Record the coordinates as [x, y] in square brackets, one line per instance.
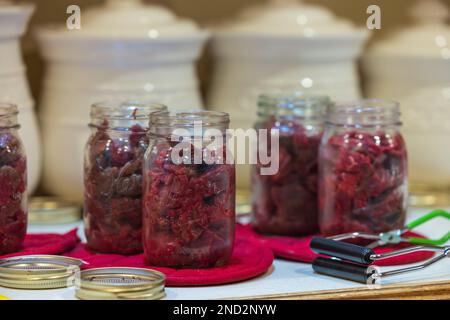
[363, 169]
[189, 190]
[113, 176]
[285, 202]
[13, 182]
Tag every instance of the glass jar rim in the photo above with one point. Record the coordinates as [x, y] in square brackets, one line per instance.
[365, 106]
[293, 103]
[188, 117]
[125, 109]
[8, 109]
[364, 113]
[8, 116]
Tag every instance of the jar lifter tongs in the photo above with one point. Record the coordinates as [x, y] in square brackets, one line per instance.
[353, 262]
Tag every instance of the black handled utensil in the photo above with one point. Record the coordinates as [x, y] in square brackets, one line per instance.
[352, 262]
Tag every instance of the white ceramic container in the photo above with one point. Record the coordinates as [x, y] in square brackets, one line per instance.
[124, 50]
[412, 66]
[287, 45]
[14, 86]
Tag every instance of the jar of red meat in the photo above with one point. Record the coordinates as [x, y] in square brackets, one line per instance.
[113, 176]
[285, 203]
[13, 182]
[363, 169]
[189, 191]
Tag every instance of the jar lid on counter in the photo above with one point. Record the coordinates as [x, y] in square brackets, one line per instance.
[38, 272]
[290, 18]
[429, 36]
[120, 284]
[44, 210]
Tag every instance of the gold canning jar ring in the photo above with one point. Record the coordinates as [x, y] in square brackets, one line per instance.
[45, 210]
[120, 284]
[38, 272]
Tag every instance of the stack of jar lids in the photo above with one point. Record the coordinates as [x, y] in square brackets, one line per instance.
[38, 272]
[120, 284]
[43, 210]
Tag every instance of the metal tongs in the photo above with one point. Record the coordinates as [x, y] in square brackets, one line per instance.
[396, 236]
[353, 262]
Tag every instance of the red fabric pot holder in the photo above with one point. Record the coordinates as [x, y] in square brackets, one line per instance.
[297, 249]
[252, 256]
[53, 244]
[249, 260]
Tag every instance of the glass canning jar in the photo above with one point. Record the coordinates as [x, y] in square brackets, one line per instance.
[13, 182]
[363, 169]
[189, 198]
[113, 176]
[286, 203]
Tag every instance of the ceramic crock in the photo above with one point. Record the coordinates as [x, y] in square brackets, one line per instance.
[285, 44]
[412, 66]
[124, 50]
[13, 82]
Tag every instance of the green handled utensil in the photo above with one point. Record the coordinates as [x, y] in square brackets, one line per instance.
[430, 216]
[396, 236]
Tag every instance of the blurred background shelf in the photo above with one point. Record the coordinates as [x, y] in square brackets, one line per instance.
[426, 115]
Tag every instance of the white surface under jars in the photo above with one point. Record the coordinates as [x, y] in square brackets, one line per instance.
[284, 277]
[285, 44]
[412, 67]
[124, 50]
[13, 83]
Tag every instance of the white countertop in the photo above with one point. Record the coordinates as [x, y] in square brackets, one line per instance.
[284, 277]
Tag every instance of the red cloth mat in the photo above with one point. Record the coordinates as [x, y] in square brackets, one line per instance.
[297, 249]
[252, 256]
[249, 260]
[53, 244]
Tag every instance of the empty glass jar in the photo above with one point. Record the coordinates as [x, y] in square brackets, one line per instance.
[113, 176]
[363, 169]
[13, 182]
[189, 191]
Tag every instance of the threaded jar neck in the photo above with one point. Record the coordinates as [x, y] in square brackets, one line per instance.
[364, 114]
[293, 105]
[164, 122]
[119, 115]
[8, 116]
